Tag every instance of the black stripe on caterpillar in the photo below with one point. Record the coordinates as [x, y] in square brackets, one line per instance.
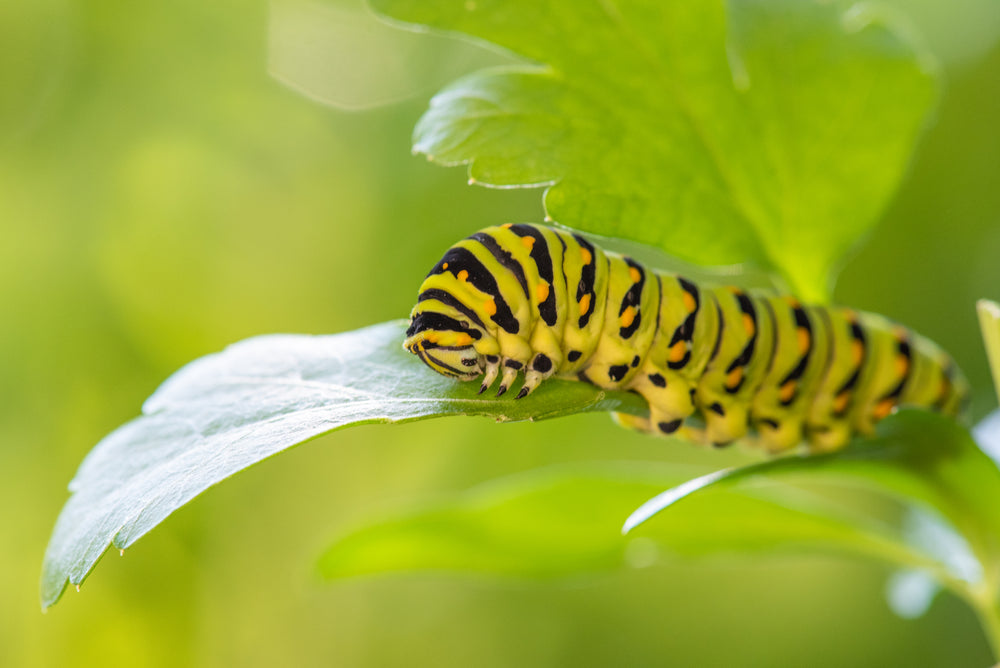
[545, 302]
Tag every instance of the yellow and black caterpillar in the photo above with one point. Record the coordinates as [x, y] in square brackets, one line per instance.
[547, 302]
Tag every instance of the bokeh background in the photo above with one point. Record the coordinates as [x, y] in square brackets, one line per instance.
[163, 195]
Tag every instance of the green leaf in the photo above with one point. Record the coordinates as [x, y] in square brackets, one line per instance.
[561, 521]
[768, 131]
[923, 459]
[916, 455]
[564, 521]
[227, 411]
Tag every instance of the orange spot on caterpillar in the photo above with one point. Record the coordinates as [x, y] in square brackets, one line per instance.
[857, 351]
[804, 340]
[541, 291]
[585, 255]
[627, 316]
[634, 274]
[787, 391]
[528, 242]
[463, 339]
[490, 306]
[444, 266]
[677, 351]
[734, 377]
[507, 226]
[689, 303]
[749, 325]
[840, 402]
[463, 275]
[883, 408]
[585, 304]
[902, 365]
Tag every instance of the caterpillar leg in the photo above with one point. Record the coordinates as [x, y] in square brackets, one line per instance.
[634, 422]
[547, 358]
[828, 438]
[541, 367]
[491, 371]
[725, 424]
[508, 375]
[648, 426]
[670, 403]
[777, 435]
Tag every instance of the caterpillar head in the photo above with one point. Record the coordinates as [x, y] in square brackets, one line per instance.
[443, 339]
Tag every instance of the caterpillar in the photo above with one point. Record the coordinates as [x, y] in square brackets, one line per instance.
[531, 299]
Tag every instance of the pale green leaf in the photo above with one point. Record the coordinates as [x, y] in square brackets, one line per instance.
[225, 412]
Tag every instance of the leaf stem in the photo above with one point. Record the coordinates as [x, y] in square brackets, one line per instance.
[989, 325]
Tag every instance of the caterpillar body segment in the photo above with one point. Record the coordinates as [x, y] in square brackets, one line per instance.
[539, 302]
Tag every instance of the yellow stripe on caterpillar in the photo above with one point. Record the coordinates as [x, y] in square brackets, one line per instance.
[538, 301]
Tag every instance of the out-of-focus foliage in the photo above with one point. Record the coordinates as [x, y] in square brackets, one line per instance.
[959, 32]
[341, 56]
[561, 522]
[565, 521]
[160, 198]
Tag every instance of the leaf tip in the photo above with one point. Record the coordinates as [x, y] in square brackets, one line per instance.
[641, 514]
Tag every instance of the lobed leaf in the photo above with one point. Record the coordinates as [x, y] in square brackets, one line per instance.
[227, 411]
[768, 131]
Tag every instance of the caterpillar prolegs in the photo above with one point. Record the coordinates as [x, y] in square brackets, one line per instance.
[544, 302]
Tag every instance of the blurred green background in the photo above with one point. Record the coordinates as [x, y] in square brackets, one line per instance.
[161, 195]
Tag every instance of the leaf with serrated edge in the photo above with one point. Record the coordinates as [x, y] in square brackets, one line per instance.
[769, 131]
[227, 411]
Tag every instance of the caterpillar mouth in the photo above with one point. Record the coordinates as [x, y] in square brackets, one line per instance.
[462, 362]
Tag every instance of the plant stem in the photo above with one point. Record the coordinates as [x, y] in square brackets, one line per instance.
[989, 617]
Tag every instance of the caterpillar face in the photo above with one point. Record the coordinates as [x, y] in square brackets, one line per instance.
[443, 340]
[533, 301]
